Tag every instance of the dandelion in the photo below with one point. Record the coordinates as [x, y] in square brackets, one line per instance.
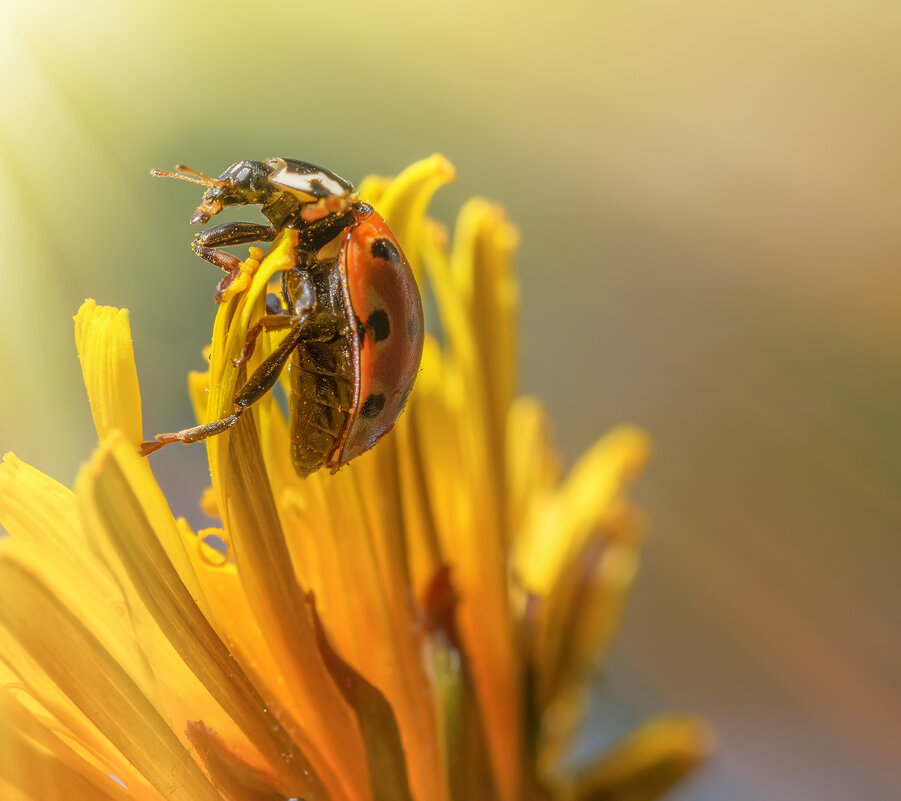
[421, 625]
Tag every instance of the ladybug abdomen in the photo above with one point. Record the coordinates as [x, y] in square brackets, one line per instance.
[387, 313]
[322, 374]
[320, 402]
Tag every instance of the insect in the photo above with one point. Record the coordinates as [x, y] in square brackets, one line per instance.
[349, 301]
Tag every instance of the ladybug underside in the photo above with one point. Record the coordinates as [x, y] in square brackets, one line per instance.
[321, 371]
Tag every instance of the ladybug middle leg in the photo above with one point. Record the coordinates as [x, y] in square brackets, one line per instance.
[270, 322]
[299, 299]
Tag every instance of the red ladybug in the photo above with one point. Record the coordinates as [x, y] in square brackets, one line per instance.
[353, 308]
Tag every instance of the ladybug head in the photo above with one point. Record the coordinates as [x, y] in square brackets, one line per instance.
[243, 183]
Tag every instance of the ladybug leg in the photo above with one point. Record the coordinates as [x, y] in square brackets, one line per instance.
[265, 376]
[262, 380]
[271, 322]
[228, 278]
[315, 235]
[226, 235]
[297, 285]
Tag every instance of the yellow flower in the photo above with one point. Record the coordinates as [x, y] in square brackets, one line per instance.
[420, 625]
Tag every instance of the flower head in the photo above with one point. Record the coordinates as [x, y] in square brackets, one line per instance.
[420, 625]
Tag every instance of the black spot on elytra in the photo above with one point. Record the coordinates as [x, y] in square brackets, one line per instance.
[379, 324]
[361, 331]
[384, 249]
[372, 405]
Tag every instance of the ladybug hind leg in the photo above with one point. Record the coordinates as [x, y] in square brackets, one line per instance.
[260, 382]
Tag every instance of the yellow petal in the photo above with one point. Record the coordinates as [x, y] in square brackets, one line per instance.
[355, 557]
[468, 517]
[42, 765]
[484, 246]
[575, 621]
[75, 660]
[231, 775]
[316, 714]
[49, 538]
[103, 339]
[233, 617]
[580, 505]
[233, 319]
[385, 752]
[647, 764]
[264, 567]
[404, 201]
[466, 752]
[372, 188]
[130, 522]
[533, 467]
[34, 507]
[436, 449]
[81, 746]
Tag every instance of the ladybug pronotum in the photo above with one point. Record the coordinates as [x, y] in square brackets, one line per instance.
[353, 309]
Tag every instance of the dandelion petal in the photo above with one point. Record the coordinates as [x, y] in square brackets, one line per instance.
[36, 764]
[98, 686]
[646, 764]
[109, 489]
[387, 766]
[404, 201]
[103, 339]
[232, 776]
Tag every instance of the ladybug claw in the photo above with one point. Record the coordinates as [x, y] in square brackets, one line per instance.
[249, 346]
[157, 442]
[146, 448]
[225, 283]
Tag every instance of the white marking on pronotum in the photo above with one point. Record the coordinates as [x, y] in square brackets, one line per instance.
[303, 182]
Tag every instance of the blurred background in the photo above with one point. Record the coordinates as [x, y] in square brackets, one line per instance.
[708, 193]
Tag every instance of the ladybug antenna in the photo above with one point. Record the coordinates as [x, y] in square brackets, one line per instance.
[187, 174]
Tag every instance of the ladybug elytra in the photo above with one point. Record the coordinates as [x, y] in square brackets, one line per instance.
[353, 309]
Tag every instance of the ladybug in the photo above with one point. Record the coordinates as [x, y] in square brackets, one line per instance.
[349, 300]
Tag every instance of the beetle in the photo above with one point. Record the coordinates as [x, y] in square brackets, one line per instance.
[349, 300]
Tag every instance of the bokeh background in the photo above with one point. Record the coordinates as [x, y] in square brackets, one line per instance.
[708, 193]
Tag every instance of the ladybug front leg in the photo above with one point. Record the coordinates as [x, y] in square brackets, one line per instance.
[262, 380]
[226, 235]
